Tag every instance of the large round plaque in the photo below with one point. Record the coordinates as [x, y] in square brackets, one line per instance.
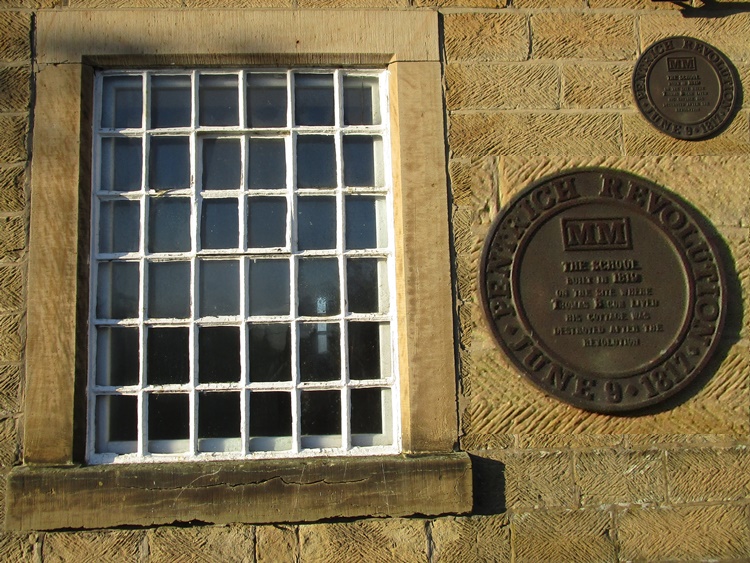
[604, 289]
[686, 88]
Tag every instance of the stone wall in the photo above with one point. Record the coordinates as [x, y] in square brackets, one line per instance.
[530, 87]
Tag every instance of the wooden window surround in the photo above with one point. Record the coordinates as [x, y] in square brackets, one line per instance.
[53, 489]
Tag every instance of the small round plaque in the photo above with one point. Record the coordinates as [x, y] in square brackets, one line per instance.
[604, 289]
[686, 88]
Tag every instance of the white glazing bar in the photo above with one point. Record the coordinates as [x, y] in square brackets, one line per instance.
[195, 170]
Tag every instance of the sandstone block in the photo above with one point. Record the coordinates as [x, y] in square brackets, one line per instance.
[573, 35]
[396, 540]
[239, 3]
[125, 3]
[12, 188]
[477, 538]
[563, 535]
[352, 3]
[10, 389]
[32, 3]
[597, 86]
[12, 237]
[536, 480]
[486, 37]
[685, 533]
[104, 547]
[567, 441]
[534, 133]
[13, 132]
[616, 477]
[543, 4]
[276, 544]
[633, 5]
[709, 474]
[15, 85]
[11, 285]
[18, 548]
[502, 86]
[8, 442]
[11, 338]
[15, 41]
[201, 544]
[461, 3]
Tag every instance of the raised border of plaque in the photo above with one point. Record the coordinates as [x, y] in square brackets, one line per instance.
[685, 88]
[604, 289]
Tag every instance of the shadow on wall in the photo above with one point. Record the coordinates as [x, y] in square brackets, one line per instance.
[489, 485]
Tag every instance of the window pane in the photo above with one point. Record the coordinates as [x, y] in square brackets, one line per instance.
[122, 105]
[218, 416]
[169, 224]
[218, 99]
[170, 101]
[218, 354]
[361, 100]
[316, 161]
[266, 164]
[168, 355]
[318, 287]
[367, 411]
[169, 290]
[121, 164]
[117, 421]
[266, 222]
[313, 99]
[117, 356]
[320, 413]
[369, 350]
[366, 285]
[269, 352]
[169, 163]
[319, 352]
[268, 287]
[270, 414]
[219, 287]
[266, 100]
[220, 223]
[362, 162]
[221, 164]
[117, 291]
[365, 222]
[316, 223]
[119, 226]
[168, 417]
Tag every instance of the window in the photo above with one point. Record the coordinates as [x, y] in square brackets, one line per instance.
[243, 266]
[57, 487]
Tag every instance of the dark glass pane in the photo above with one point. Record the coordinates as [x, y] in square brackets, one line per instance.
[117, 356]
[359, 161]
[218, 415]
[319, 352]
[316, 223]
[169, 163]
[365, 350]
[168, 416]
[316, 161]
[168, 355]
[266, 100]
[117, 291]
[219, 287]
[266, 164]
[218, 100]
[218, 354]
[119, 226]
[270, 414]
[364, 285]
[169, 224]
[122, 102]
[169, 290]
[170, 101]
[268, 287]
[320, 413]
[361, 100]
[365, 226]
[313, 99]
[220, 223]
[269, 352]
[117, 420]
[367, 411]
[121, 164]
[318, 286]
[222, 164]
[266, 222]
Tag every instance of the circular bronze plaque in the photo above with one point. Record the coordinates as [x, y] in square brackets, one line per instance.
[604, 289]
[685, 87]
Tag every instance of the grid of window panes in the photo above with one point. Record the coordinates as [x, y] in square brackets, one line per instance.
[242, 274]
